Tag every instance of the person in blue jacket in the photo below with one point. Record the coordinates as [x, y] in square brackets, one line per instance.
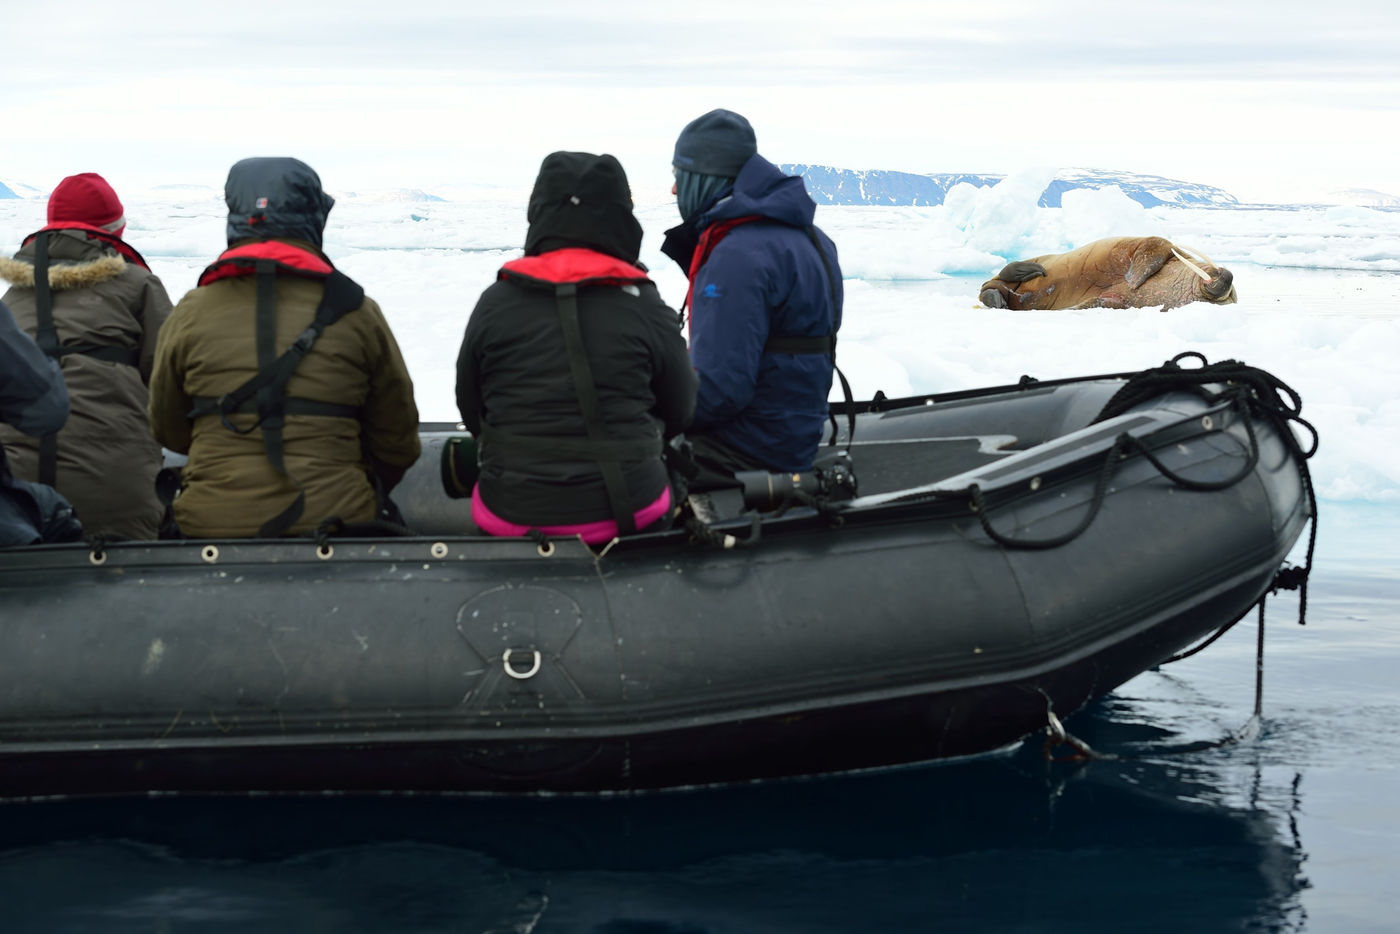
[34, 399]
[764, 303]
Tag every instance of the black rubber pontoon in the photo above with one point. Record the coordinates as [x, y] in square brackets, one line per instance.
[1008, 556]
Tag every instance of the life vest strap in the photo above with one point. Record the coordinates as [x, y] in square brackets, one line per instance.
[566, 297]
[291, 405]
[265, 393]
[825, 344]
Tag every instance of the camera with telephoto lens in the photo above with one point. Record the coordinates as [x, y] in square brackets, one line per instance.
[832, 481]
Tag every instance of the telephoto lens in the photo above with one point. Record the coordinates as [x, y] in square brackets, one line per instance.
[768, 491]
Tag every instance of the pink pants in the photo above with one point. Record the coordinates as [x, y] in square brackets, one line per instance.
[593, 533]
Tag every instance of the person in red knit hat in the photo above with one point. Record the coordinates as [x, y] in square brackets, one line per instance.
[87, 199]
[92, 303]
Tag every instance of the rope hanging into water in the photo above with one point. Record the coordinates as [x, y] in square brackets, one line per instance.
[1056, 735]
[1262, 395]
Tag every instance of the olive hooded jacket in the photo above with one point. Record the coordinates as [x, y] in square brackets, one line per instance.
[102, 296]
[209, 348]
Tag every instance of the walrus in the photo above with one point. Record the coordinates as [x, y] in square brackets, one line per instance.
[1117, 272]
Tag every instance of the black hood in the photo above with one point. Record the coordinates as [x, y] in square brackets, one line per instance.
[275, 196]
[583, 200]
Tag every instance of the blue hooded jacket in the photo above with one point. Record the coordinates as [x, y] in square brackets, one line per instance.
[764, 280]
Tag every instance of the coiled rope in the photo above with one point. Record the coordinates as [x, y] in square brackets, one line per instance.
[1252, 392]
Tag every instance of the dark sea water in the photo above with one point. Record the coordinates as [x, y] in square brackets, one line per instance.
[1297, 829]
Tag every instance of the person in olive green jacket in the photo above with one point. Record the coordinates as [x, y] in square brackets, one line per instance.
[333, 426]
[97, 309]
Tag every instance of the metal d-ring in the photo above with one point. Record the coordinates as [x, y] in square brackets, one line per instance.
[521, 675]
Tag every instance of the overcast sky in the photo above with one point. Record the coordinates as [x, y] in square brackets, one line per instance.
[1272, 101]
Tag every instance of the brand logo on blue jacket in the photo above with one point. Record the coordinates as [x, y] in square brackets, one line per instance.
[711, 291]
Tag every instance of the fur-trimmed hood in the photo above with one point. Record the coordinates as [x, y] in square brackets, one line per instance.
[64, 275]
[76, 261]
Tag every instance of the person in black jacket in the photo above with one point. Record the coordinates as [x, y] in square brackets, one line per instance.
[573, 371]
[34, 399]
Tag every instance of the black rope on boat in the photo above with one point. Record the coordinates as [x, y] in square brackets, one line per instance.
[1262, 394]
[1123, 445]
[1258, 393]
[327, 527]
[1100, 489]
[1249, 390]
[1056, 735]
[1212, 637]
[1288, 577]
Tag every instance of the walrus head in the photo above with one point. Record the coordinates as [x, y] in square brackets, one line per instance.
[1217, 283]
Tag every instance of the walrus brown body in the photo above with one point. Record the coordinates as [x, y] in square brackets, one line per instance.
[1118, 272]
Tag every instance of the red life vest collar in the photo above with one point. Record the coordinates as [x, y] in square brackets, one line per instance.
[709, 239]
[290, 259]
[95, 233]
[573, 265]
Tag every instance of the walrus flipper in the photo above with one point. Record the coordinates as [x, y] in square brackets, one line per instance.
[1147, 260]
[1020, 271]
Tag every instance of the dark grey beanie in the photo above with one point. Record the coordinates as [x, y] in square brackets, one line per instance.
[719, 143]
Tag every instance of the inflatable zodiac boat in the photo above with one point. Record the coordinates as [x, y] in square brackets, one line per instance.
[962, 571]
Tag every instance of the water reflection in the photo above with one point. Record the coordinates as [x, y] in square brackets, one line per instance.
[1197, 843]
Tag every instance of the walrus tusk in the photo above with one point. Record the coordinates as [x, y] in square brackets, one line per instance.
[1197, 255]
[1190, 265]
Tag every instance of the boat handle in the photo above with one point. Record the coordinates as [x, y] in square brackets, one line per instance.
[521, 675]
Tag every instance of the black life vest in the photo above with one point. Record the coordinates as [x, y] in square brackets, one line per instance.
[564, 272]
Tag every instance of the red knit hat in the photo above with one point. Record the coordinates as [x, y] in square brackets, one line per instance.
[86, 198]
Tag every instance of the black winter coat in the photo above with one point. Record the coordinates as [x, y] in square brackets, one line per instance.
[513, 374]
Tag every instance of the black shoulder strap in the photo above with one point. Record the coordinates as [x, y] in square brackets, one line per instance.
[825, 344]
[269, 384]
[46, 336]
[566, 295]
[835, 314]
[342, 295]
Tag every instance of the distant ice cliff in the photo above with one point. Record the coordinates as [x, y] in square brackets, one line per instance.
[829, 185]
